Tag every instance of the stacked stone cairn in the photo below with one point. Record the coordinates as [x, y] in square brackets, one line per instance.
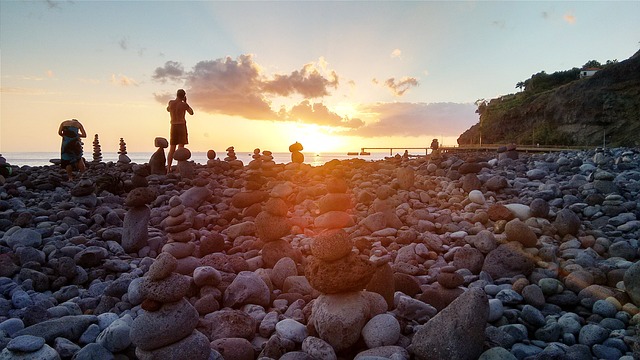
[185, 168]
[178, 226]
[256, 163]
[232, 159]
[272, 225]
[508, 152]
[211, 158]
[231, 154]
[296, 155]
[158, 160]
[139, 178]
[166, 328]
[135, 234]
[84, 193]
[122, 153]
[343, 309]
[268, 165]
[97, 150]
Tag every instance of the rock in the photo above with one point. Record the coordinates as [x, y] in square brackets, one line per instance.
[331, 244]
[247, 288]
[468, 258]
[632, 282]
[24, 237]
[567, 222]
[195, 196]
[70, 327]
[284, 268]
[592, 334]
[140, 196]
[381, 330]
[291, 330]
[383, 283]
[271, 227]
[245, 199]
[115, 337]
[206, 275]
[350, 273]
[25, 343]
[170, 289]
[521, 211]
[234, 348]
[497, 353]
[476, 196]
[539, 208]
[334, 220]
[457, 332]
[318, 348]
[44, 353]
[339, 318]
[135, 234]
[508, 260]
[149, 330]
[192, 347]
[518, 231]
[273, 251]
[162, 267]
[228, 323]
[334, 202]
[499, 212]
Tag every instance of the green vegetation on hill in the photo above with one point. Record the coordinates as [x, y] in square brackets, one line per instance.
[563, 109]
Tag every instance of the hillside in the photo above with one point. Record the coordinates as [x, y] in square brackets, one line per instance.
[577, 113]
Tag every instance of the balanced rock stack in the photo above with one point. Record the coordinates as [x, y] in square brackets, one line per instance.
[139, 178]
[211, 158]
[135, 232]
[84, 193]
[158, 160]
[339, 274]
[296, 155]
[272, 225]
[231, 154]
[122, 153]
[232, 159]
[178, 226]
[268, 164]
[185, 168]
[97, 152]
[508, 152]
[256, 163]
[166, 328]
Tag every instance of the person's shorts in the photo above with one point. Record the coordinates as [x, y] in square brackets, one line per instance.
[179, 134]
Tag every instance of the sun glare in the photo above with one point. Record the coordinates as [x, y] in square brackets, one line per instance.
[316, 139]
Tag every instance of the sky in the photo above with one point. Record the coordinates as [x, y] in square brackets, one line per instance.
[334, 76]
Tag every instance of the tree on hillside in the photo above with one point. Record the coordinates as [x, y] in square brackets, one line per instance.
[520, 85]
[592, 64]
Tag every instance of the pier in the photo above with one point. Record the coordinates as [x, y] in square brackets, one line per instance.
[478, 147]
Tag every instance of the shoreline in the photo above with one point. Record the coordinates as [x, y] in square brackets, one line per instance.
[267, 258]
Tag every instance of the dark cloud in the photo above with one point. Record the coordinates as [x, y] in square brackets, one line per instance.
[417, 119]
[307, 82]
[398, 88]
[172, 70]
[318, 113]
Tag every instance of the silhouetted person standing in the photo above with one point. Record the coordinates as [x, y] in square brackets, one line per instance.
[177, 108]
[71, 149]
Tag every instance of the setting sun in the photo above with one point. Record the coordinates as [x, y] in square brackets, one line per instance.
[317, 139]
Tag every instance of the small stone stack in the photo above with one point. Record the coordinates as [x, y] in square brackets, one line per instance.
[84, 193]
[135, 233]
[231, 154]
[256, 163]
[166, 328]
[211, 158]
[272, 225]
[122, 153]
[139, 178]
[508, 152]
[185, 168]
[97, 150]
[158, 160]
[178, 226]
[268, 165]
[296, 155]
[339, 274]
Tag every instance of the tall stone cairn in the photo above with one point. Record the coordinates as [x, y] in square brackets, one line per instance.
[158, 160]
[122, 153]
[166, 328]
[97, 150]
[339, 274]
[135, 232]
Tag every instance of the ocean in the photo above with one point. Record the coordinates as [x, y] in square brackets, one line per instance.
[314, 159]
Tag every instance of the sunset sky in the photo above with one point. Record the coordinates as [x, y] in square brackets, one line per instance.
[335, 76]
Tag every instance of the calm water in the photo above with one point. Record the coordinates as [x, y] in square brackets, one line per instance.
[42, 158]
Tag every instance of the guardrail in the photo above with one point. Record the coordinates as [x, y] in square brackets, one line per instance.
[478, 147]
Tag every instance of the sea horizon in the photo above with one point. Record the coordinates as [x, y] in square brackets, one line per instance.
[43, 158]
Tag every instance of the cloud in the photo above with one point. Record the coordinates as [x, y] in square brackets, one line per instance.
[307, 82]
[417, 119]
[398, 88]
[318, 113]
[124, 43]
[172, 70]
[396, 53]
[569, 18]
[123, 80]
[50, 73]
[240, 87]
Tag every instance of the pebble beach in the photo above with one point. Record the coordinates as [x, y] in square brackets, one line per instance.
[450, 256]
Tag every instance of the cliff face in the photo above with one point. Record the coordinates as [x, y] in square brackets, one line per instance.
[578, 113]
